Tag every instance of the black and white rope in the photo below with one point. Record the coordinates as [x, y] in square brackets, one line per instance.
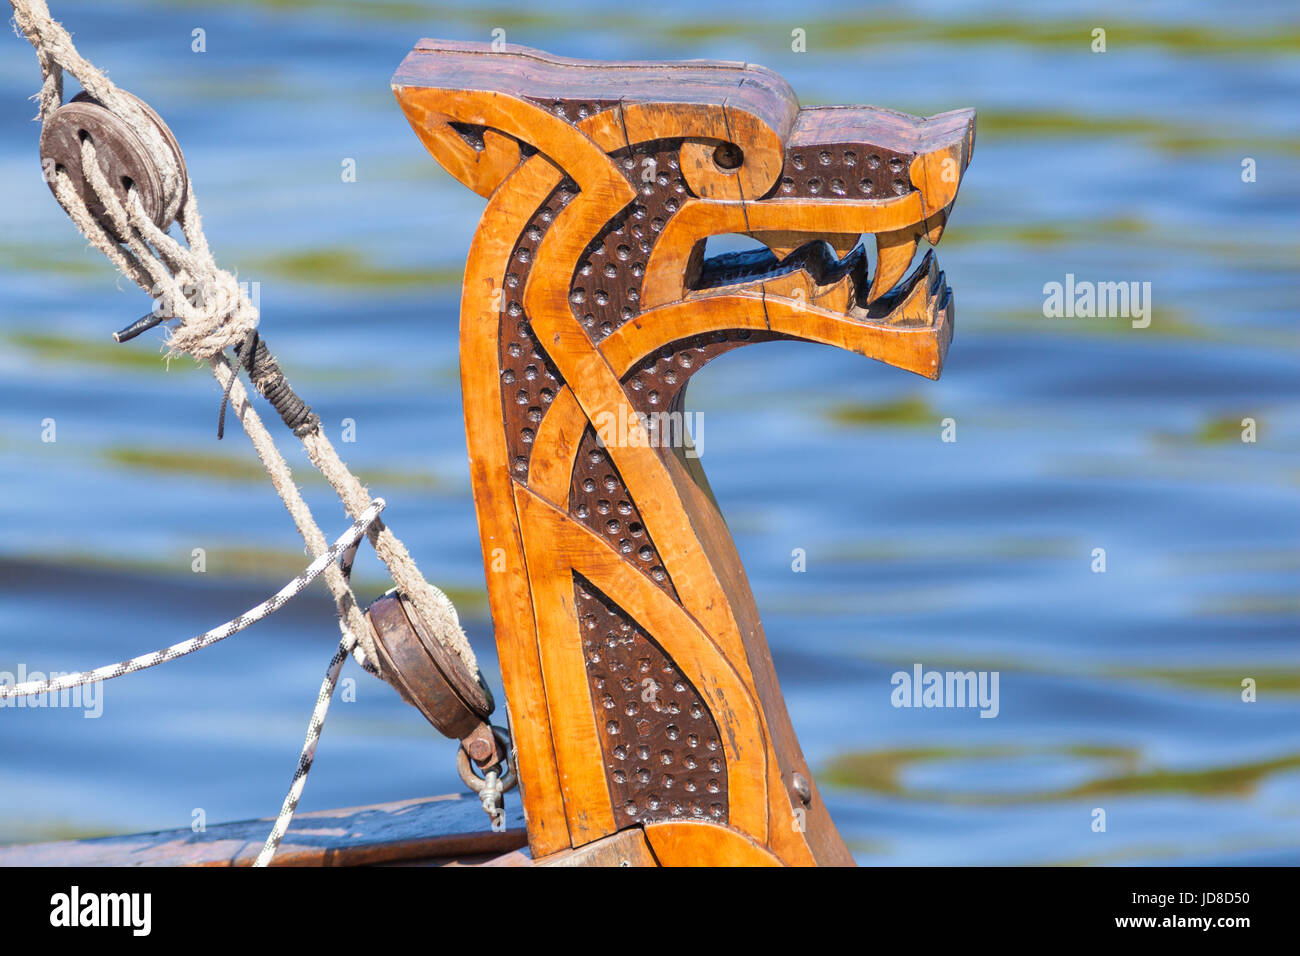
[347, 541]
[347, 645]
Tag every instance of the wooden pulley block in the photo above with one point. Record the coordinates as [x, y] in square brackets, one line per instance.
[123, 157]
[432, 678]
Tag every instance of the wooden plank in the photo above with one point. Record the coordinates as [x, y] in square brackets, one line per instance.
[423, 829]
[627, 848]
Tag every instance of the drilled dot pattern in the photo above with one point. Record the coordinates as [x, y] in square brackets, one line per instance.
[606, 287]
[529, 381]
[654, 383]
[844, 171]
[599, 499]
[573, 110]
[663, 753]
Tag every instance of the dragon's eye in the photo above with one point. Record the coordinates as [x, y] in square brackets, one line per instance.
[728, 156]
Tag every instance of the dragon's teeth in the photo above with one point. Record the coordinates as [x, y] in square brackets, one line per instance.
[843, 243]
[782, 244]
[800, 286]
[894, 253]
[837, 298]
[935, 225]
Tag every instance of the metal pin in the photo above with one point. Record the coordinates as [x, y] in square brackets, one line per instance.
[142, 324]
[801, 789]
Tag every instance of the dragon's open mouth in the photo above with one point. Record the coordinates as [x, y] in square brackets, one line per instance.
[822, 280]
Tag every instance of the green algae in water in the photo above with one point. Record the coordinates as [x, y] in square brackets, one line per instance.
[347, 268]
[108, 354]
[881, 772]
[909, 412]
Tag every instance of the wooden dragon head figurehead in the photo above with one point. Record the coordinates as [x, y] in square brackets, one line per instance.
[643, 701]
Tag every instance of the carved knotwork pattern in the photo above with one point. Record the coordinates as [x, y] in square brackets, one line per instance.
[600, 500]
[606, 287]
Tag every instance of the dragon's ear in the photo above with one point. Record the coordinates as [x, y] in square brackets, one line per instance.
[479, 157]
[475, 106]
[479, 109]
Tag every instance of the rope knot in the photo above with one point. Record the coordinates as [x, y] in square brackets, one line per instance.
[213, 310]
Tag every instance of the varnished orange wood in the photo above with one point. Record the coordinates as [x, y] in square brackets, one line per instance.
[557, 444]
[690, 844]
[508, 589]
[564, 546]
[626, 848]
[744, 158]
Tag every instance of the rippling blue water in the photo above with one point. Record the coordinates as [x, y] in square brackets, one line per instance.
[1119, 691]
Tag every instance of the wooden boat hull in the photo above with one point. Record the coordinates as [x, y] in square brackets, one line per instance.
[429, 830]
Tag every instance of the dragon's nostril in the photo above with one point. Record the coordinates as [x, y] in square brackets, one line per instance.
[728, 156]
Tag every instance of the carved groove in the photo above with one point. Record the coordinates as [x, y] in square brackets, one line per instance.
[572, 110]
[600, 500]
[529, 381]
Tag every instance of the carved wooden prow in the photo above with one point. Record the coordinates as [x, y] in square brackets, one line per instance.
[640, 687]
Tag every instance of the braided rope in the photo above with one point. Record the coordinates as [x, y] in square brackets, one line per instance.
[344, 550]
[347, 645]
[142, 267]
[290, 806]
[346, 542]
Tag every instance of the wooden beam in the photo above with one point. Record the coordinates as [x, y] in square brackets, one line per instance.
[427, 829]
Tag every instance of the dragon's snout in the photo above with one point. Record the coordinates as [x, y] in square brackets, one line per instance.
[899, 166]
[849, 178]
